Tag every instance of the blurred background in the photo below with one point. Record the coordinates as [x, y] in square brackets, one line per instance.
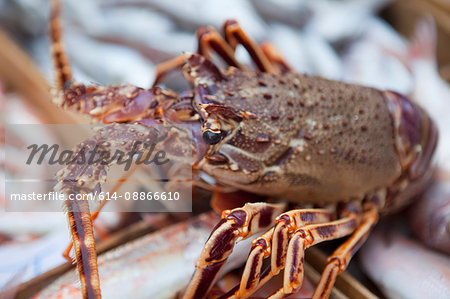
[395, 45]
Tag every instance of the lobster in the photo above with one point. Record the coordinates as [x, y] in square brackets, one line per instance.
[350, 152]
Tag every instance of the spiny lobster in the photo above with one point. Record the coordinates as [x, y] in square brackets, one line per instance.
[292, 137]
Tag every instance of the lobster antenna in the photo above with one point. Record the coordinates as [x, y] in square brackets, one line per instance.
[60, 60]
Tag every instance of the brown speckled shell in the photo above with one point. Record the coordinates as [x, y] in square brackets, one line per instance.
[312, 140]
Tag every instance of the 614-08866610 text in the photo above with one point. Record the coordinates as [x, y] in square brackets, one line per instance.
[147, 195]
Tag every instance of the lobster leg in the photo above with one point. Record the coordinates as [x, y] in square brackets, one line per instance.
[285, 244]
[266, 57]
[108, 104]
[235, 224]
[234, 35]
[274, 243]
[275, 57]
[163, 68]
[305, 237]
[209, 40]
[340, 258]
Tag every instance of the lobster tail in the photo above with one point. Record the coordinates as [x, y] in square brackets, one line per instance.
[416, 135]
[416, 138]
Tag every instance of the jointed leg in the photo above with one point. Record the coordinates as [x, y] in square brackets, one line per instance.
[235, 224]
[305, 237]
[285, 244]
[266, 57]
[275, 57]
[234, 35]
[209, 40]
[109, 104]
[340, 258]
[274, 243]
[163, 68]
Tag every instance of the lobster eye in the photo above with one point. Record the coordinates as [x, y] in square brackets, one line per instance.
[211, 137]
